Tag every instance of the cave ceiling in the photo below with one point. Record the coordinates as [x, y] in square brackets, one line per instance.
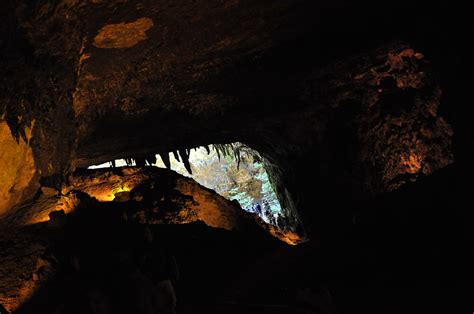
[93, 81]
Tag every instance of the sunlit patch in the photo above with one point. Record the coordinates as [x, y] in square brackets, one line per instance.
[246, 182]
[118, 163]
[234, 171]
[241, 178]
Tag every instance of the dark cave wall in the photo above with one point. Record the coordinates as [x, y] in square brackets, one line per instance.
[368, 125]
[383, 114]
[35, 97]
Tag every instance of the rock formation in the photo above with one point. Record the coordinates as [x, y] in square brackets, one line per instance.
[148, 196]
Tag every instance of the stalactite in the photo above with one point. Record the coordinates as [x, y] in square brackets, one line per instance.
[166, 159]
[217, 151]
[140, 162]
[176, 156]
[237, 156]
[185, 160]
[151, 159]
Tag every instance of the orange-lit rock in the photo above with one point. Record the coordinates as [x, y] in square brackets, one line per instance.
[289, 237]
[169, 197]
[123, 35]
[38, 210]
[161, 196]
[213, 209]
[18, 171]
[412, 163]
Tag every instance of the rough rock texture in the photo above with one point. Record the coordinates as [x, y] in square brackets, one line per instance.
[24, 264]
[161, 196]
[151, 195]
[122, 35]
[385, 112]
[18, 175]
[39, 208]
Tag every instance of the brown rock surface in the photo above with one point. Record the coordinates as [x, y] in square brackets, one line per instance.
[168, 197]
[18, 172]
[24, 264]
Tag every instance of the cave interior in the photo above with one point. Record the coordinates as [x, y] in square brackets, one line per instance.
[357, 113]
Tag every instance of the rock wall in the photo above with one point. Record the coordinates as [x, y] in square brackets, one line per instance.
[24, 264]
[18, 176]
[381, 117]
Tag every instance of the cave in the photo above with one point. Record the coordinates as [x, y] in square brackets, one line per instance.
[121, 121]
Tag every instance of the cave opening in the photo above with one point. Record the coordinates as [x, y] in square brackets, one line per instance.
[235, 171]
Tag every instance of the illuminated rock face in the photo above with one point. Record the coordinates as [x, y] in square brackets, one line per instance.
[123, 35]
[18, 172]
[160, 196]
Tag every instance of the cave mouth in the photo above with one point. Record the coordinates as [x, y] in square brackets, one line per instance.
[234, 171]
